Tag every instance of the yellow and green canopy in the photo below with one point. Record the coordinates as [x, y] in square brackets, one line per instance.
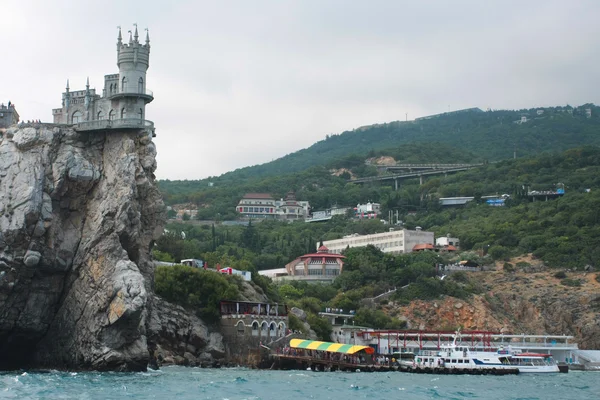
[328, 346]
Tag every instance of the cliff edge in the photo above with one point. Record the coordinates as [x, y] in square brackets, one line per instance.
[78, 215]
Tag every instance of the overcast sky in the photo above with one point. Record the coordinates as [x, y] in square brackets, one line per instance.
[239, 83]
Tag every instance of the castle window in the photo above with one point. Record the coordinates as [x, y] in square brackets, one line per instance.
[141, 114]
[141, 86]
[100, 115]
[124, 85]
[111, 115]
[123, 113]
[77, 117]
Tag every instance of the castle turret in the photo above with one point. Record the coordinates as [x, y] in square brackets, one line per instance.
[124, 97]
[133, 61]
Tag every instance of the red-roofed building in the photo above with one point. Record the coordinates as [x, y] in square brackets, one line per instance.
[319, 266]
[257, 205]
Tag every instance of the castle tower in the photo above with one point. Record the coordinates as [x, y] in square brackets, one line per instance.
[129, 95]
[124, 97]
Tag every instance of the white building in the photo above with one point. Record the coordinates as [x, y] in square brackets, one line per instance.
[396, 241]
[263, 205]
[447, 241]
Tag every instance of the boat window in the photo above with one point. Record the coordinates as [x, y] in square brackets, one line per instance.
[453, 361]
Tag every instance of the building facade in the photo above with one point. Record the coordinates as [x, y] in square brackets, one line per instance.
[123, 100]
[263, 205]
[291, 209]
[8, 115]
[257, 205]
[248, 325]
[394, 241]
[322, 266]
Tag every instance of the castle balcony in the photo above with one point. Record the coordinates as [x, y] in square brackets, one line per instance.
[110, 124]
[147, 95]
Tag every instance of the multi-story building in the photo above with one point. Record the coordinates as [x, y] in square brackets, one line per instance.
[369, 210]
[124, 97]
[257, 205]
[320, 266]
[290, 208]
[262, 205]
[8, 115]
[395, 241]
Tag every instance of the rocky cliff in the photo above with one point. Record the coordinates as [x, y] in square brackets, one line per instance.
[78, 215]
[529, 300]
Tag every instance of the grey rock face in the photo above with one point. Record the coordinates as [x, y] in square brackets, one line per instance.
[299, 313]
[177, 336]
[78, 214]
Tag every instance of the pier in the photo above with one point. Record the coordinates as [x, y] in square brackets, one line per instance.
[303, 362]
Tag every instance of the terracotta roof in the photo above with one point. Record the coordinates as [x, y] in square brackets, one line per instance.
[451, 248]
[422, 246]
[323, 248]
[258, 196]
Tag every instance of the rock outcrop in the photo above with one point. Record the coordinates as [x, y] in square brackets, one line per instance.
[531, 301]
[78, 215]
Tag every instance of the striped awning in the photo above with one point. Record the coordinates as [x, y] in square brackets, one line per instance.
[328, 346]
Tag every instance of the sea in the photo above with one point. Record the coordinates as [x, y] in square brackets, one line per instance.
[181, 383]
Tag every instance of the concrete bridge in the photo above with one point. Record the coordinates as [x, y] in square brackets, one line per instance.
[420, 170]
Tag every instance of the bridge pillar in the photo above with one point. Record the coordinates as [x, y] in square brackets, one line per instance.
[420, 179]
[396, 184]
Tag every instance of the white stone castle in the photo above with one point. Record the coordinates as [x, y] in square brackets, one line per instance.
[124, 97]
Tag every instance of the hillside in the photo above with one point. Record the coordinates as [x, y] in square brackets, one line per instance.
[491, 135]
[530, 300]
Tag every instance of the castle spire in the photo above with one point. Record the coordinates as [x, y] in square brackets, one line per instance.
[147, 37]
[119, 39]
[87, 84]
[67, 85]
[130, 38]
[135, 36]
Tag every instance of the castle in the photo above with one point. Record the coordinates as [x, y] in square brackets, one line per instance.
[124, 97]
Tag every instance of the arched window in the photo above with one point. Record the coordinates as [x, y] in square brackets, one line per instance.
[255, 328]
[265, 328]
[240, 328]
[111, 115]
[273, 329]
[77, 117]
[123, 113]
[141, 114]
[110, 89]
[124, 85]
[100, 115]
[141, 85]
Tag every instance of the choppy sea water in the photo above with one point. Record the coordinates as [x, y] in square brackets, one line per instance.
[179, 383]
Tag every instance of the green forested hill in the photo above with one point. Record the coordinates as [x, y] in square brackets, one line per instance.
[491, 135]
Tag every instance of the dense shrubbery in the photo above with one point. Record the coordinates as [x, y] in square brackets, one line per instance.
[196, 289]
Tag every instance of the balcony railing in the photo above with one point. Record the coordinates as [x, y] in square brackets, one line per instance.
[148, 94]
[103, 124]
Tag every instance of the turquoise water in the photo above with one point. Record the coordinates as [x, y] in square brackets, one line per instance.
[179, 383]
